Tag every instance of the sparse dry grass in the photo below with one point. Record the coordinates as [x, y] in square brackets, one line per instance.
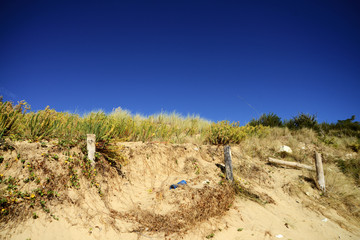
[303, 143]
[202, 204]
[342, 193]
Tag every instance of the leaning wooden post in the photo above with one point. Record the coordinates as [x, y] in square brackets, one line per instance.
[319, 172]
[91, 147]
[228, 165]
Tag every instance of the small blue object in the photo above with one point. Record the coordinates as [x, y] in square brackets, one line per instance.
[182, 182]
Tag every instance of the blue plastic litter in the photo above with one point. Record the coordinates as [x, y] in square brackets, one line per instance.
[182, 182]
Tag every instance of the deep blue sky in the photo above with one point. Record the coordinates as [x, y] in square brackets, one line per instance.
[219, 59]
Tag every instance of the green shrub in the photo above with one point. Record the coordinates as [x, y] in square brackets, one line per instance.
[224, 132]
[348, 127]
[270, 119]
[302, 120]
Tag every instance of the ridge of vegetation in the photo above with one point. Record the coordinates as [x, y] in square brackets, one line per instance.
[259, 138]
[18, 123]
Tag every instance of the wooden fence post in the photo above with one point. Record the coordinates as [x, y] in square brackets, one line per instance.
[91, 147]
[319, 172]
[228, 165]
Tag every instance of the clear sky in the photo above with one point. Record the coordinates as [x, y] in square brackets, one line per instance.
[222, 60]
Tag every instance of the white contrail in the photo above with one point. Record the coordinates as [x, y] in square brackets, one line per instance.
[243, 99]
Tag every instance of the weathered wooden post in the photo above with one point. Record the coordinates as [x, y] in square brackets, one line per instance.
[228, 165]
[290, 164]
[91, 147]
[319, 171]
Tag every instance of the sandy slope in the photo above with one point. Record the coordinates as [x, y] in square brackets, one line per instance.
[153, 167]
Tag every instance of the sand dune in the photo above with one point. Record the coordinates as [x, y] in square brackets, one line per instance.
[141, 205]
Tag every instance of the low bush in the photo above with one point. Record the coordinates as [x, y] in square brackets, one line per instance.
[270, 120]
[302, 120]
[222, 133]
[348, 127]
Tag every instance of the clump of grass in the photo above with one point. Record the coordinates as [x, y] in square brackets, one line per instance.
[10, 115]
[98, 123]
[350, 167]
[113, 154]
[341, 193]
[41, 125]
[167, 128]
[210, 236]
[246, 192]
[68, 132]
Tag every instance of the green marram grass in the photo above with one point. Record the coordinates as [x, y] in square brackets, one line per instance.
[119, 125]
[18, 123]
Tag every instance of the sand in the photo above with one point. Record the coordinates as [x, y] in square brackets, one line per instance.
[291, 213]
